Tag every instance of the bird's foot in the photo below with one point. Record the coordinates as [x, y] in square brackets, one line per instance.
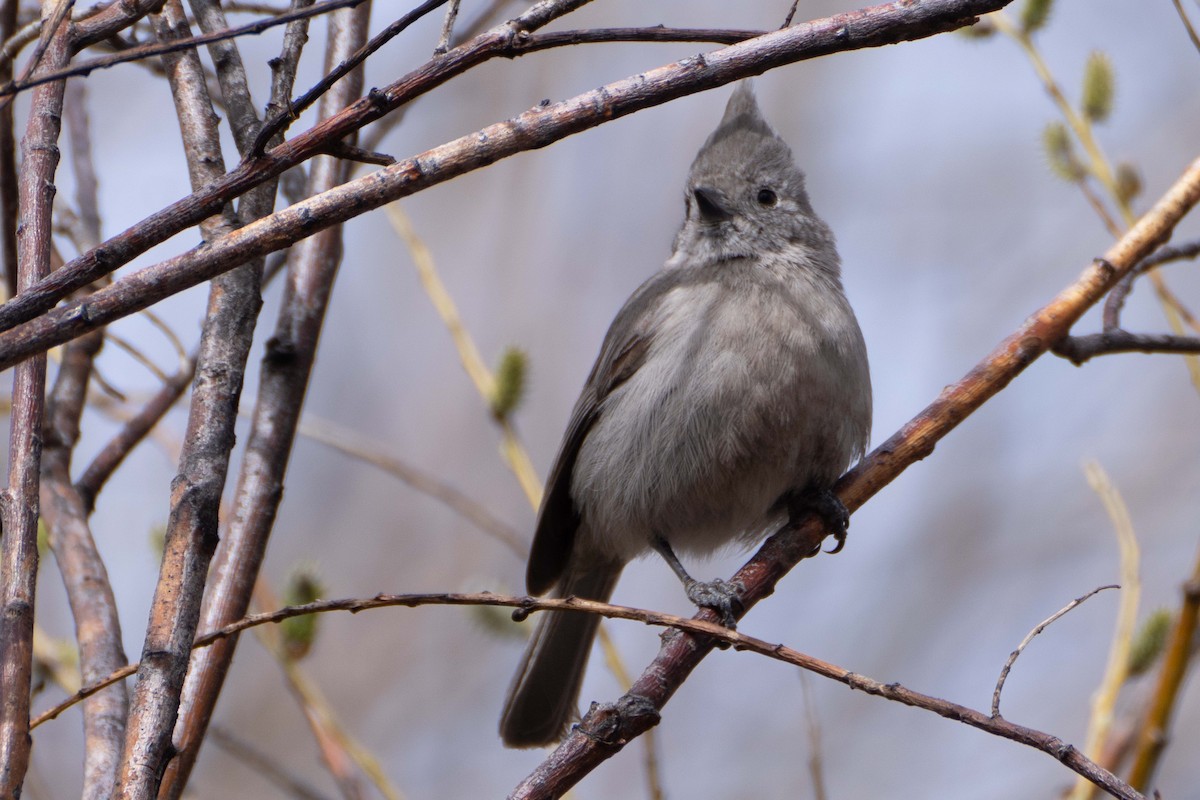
[718, 595]
[829, 507]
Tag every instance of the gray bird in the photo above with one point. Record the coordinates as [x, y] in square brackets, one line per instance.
[731, 391]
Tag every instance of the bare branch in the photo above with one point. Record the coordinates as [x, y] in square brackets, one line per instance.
[140, 52]
[282, 385]
[8, 163]
[134, 431]
[1079, 349]
[1041, 626]
[357, 446]
[276, 126]
[697, 629]
[1165, 255]
[191, 537]
[447, 28]
[19, 503]
[93, 605]
[535, 128]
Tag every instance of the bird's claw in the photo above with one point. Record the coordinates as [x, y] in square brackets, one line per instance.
[720, 596]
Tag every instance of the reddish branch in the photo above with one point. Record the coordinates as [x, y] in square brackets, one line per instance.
[593, 741]
[19, 500]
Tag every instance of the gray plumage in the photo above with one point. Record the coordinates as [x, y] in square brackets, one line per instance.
[730, 383]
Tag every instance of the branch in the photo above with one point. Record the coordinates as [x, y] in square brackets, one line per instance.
[1041, 626]
[1165, 255]
[534, 129]
[1079, 349]
[276, 126]
[132, 432]
[85, 578]
[588, 746]
[8, 163]
[871, 27]
[19, 504]
[152, 49]
[233, 305]
[283, 382]
[1152, 737]
[696, 629]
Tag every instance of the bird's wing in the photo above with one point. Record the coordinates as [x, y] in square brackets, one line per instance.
[623, 352]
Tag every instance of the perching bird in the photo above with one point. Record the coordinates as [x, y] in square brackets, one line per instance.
[731, 390]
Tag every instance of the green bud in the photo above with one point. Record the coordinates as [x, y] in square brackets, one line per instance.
[158, 541]
[1034, 15]
[1129, 182]
[1149, 641]
[1060, 153]
[298, 633]
[510, 382]
[1099, 85]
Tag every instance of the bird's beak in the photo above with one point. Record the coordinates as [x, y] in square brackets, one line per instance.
[712, 205]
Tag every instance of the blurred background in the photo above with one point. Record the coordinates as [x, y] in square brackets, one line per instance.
[926, 160]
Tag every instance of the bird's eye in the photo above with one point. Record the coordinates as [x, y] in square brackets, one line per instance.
[767, 197]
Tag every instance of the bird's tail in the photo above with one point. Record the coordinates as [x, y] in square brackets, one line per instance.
[545, 691]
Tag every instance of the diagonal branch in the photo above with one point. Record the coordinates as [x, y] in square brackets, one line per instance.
[536, 128]
[871, 27]
[591, 743]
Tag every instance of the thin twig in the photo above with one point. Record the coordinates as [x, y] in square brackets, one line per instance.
[447, 28]
[277, 125]
[234, 301]
[19, 501]
[51, 25]
[105, 462]
[787, 21]
[8, 164]
[698, 629]
[339, 752]
[1187, 23]
[485, 382]
[1041, 626]
[153, 49]
[260, 763]
[1079, 349]
[357, 446]
[85, 578]
[1164, 255]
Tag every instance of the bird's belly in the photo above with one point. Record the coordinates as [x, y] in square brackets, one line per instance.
[702, 459]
